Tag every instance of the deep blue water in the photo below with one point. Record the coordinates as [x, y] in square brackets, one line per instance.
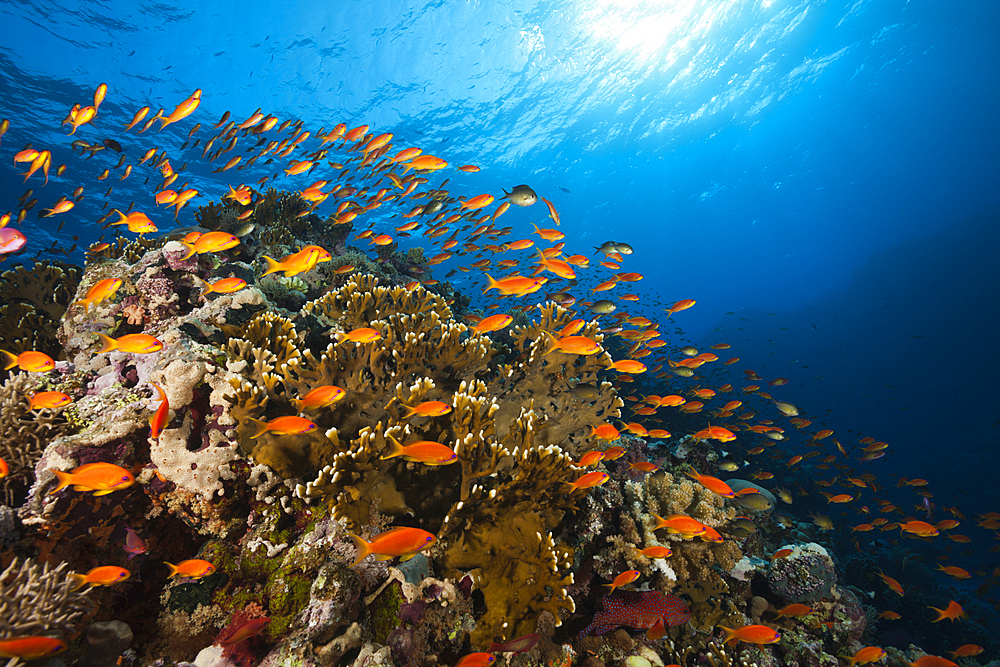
[826, 171]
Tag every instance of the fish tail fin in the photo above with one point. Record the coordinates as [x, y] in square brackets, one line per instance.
[849, 659]
[108, 344]
[553, 344]
[395, 448]
[173, 569]
[492, 284]
[730, 634]
[79, 581]
[206, 288]
[298, 404]
[261, 427]
[657, 631]
[364, 548]
[10, 360]
[409, 412]
[190, 247]
[272, 266]
[65, 479]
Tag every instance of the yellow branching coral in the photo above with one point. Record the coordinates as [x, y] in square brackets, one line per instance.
[544, 380]
[24, 433]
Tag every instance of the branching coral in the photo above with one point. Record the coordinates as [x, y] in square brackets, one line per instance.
[32, 301]
[24, 433]
[36, 599]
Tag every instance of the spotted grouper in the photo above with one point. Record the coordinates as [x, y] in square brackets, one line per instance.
[652, 611]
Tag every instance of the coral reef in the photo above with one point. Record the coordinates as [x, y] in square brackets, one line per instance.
[37, 599]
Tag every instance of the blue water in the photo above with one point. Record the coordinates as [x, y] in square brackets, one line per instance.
[826, 171]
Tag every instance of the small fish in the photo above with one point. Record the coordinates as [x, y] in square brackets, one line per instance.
[865, 655]
[953, 612]
[713, 484]
[193, 569]
[11, 240]
[299, 262]
[181, 111]
[133, 343]
[613, 247]
[753, 634]
[402, 542]
[520, 195]
[100, 291]
[602, 307]
[102, 478]
[680, 524]
[481, 659]
[794, 610]
[210, 242]
[242, 632]
[626, 577]
[4, 468]
[31, 648]
[493, 323]
[223, 286]
[519, 645]
[589, 480]
[421, 451]
[30, 361]
[106, 575]
[49, 400]
[320, 397]
[571, 344]
[287, 425]
[134, 545]
[605, 432]
[428, 409]
[656, 552]
[360, 335]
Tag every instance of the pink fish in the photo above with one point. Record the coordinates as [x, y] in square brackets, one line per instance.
[11, 240]
[134, 545]
[519, 645]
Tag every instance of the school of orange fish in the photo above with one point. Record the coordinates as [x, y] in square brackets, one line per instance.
[360, 173]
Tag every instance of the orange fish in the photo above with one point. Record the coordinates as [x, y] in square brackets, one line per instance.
[30, 361]
[890, 615]
[572, 344]
[287, 425]
[299, 262]
[320, 397]
[223, 286]
[404, 543]
[133, 343]
[102, 478]
[425, 163]
[932, 661]
[100, 291]
[680, 524]
[954, 571]
[49, 400]
[4, 468]
[193, 569]
[422, 451]
[605, 432]
[493, 323]
[181, 111]
[865, 655]
[628, 366]
[794, 610]
[515, 285]
[552, 210]
[626, 577]
[753, 634]
[891, 583]
[643, 466]
[210, 242]
[479, 201]
[360, 335]
[656, 552]
[967, 650]
[614, 453]
[242, 632]
[952, 612]
[107, 575]
[919, 528]
[683, 304]
[31, 648]
[591, 479]
[159, 418]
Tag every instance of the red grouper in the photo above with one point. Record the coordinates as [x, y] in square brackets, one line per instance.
[640, 610]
